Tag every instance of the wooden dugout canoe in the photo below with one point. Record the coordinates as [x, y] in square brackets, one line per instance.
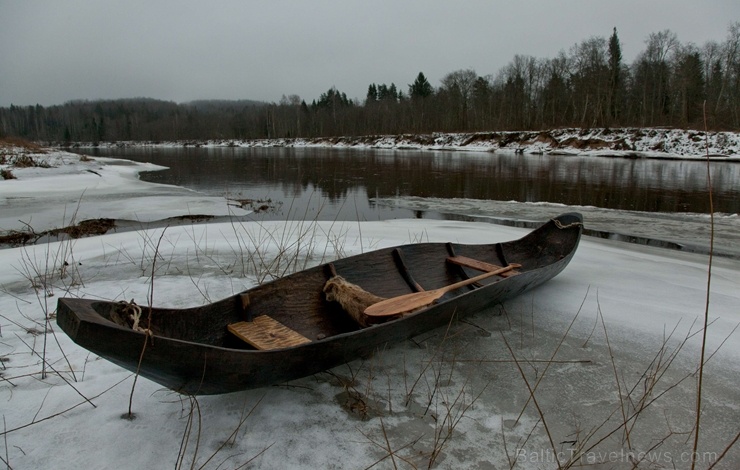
[196, 351]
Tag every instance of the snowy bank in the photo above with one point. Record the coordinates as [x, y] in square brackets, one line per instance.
[54, 189]
[623, 142]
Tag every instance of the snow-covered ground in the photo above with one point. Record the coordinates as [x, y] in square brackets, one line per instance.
[618, 331]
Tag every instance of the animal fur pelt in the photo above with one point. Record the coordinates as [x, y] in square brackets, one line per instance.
[353, 299]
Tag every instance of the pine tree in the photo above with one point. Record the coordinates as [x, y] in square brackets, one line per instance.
[372, 94]
[615, 79]
[421, 88]
[392, 92]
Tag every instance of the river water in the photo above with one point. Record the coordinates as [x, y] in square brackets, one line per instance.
[327, 183]
[651, 202]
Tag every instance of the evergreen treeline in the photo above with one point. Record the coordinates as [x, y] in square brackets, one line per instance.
[668, 84]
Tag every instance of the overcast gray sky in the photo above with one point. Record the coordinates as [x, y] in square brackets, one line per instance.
[53, 51]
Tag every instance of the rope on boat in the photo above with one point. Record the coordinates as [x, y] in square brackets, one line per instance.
[133, 313]
[561, 226]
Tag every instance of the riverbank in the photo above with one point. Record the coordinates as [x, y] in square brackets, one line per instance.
[624, 142]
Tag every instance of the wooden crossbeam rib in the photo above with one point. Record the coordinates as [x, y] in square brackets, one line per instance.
[265, 332]
[479, 265]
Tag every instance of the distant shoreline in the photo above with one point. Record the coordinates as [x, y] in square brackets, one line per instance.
[617, 143]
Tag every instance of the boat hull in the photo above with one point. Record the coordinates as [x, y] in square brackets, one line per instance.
[191, 355]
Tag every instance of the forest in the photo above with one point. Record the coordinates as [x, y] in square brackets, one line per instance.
[669, 84]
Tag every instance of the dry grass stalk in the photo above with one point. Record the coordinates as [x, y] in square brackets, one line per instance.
[60, 375]
[390, 452]
[617, 382]
[6, 460]
[56, 266]
[194, 411]
[532, 397]
[552, 356]
[61, 413]
[193, 432]
[700, 380]
[724, 452]
[454, 413]
[148, 325]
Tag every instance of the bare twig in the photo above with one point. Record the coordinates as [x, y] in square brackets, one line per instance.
[724, 452]
[231, 439]
[66, 410]
[616, 378]
[700, 382]
[390, 452]
[6, 460]
[57, 372]
[534, 400]
[552, 356]
[149, 325]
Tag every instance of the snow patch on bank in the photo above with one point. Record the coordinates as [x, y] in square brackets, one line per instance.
[62, 188]
[621, 142]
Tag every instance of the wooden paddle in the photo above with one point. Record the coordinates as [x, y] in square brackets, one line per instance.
[408, 302]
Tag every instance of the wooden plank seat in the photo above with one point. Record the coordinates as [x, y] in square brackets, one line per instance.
[479, 265]
[264, 332]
